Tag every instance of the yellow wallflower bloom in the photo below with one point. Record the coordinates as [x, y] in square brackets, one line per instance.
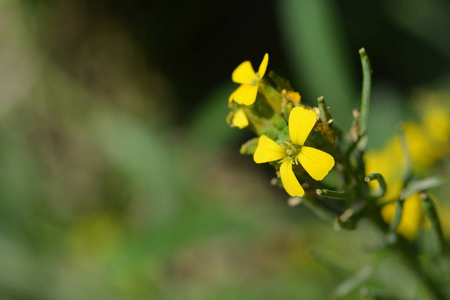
[316, 162]
[391, 163]
[420, 146]
[291, 96]
[240, 119]
[249, 80]
[427, 142]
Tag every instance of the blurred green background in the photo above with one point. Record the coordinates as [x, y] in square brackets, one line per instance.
[120, 178]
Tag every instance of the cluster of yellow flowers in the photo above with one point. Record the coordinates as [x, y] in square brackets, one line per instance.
[389, 187]
[426, 146]
[290, 149]
[246, 93]
[290, 134]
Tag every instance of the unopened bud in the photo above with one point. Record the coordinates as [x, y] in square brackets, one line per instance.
[294, 201]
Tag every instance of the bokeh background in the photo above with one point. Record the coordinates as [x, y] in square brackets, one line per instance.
[120, 178]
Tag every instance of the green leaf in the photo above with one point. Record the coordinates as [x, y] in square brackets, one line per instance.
[364, 274]
[417, 186]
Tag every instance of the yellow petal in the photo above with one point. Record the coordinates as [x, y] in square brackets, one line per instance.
[263, 66]
[240, 119]
[316, 162]
[291, 96]
[267, 151]
[301, 122]
[411, 218]
[436, 121]
[290, 182]
[244, 73]
[245, 94]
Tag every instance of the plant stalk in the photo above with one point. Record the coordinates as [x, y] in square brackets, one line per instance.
[365, 94]
[412, 262]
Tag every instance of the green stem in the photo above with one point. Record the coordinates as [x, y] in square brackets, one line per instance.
[410, 258]
[320, 209]
[381, 181]
[324, 114]
[398, 216]
[430, 211]
[333, 194]
[365, 94]
[408, 167]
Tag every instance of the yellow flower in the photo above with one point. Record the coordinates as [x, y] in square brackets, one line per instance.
[291, 96]
[428, 142]
[316, 162]
[391, 163]
[240, 119]
[249, 80]
[421, 149]
[412, 216]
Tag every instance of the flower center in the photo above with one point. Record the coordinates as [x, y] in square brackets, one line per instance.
[255, 79]
[292, 151]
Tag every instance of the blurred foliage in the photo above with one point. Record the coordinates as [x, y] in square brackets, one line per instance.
[120, 178]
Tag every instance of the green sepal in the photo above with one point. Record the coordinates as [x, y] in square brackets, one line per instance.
[249, 146]
[279, 122]
[230, 118]
[272, 97]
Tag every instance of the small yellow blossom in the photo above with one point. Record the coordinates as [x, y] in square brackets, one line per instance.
[420, 146]
[291, 96]
[249, 80]
[316, 162]
[426, 142]
[429, 140]
[391, 163]
[240, 119]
